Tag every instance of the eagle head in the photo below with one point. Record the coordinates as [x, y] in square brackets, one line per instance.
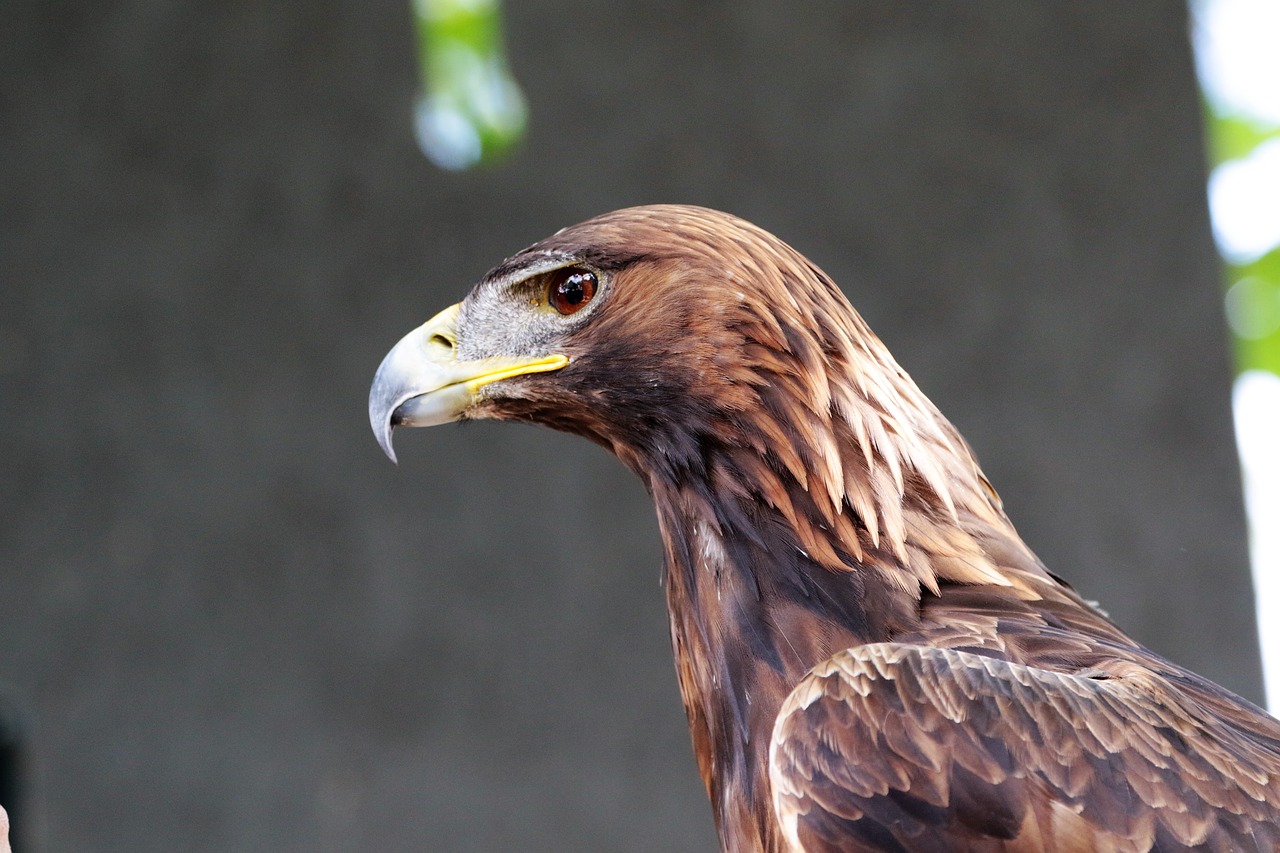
[651, 330]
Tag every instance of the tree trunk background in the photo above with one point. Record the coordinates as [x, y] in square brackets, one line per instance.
[227, 623]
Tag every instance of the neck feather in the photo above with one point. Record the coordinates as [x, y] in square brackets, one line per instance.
[813, 521]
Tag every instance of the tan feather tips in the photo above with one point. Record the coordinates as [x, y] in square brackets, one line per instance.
[799, 401]
[844, 424]
[848, 449]
[942, 747]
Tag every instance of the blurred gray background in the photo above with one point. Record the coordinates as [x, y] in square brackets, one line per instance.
[228, 623]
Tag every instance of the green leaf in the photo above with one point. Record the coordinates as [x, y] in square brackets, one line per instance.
[1232, 136]
[471, 110]
[1253, 311]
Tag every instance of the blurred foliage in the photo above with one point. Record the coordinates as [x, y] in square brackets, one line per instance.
[1253, 309]
[1232, 136]
[1253, 288]
[471, 109]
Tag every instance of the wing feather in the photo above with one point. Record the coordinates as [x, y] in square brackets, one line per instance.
[910, 748]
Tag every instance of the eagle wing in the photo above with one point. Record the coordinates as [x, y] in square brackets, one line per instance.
[893, 747]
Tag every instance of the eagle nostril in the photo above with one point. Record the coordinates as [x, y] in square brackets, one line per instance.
[439, 341]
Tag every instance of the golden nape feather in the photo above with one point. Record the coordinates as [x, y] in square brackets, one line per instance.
[870, 657]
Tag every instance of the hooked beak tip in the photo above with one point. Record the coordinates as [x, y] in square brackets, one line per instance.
[384, 420]
[384, 441]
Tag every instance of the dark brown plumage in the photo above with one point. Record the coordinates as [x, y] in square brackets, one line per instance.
[870, 657]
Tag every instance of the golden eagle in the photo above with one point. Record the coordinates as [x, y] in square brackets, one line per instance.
[870, 657]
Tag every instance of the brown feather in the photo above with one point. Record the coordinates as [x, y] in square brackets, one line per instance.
[869, 656]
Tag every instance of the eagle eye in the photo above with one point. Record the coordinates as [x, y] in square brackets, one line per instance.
[570, 289]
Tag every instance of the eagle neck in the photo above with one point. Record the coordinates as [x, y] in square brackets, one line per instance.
[750, 614]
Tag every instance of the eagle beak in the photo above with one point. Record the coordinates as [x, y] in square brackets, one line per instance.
[421, 382]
